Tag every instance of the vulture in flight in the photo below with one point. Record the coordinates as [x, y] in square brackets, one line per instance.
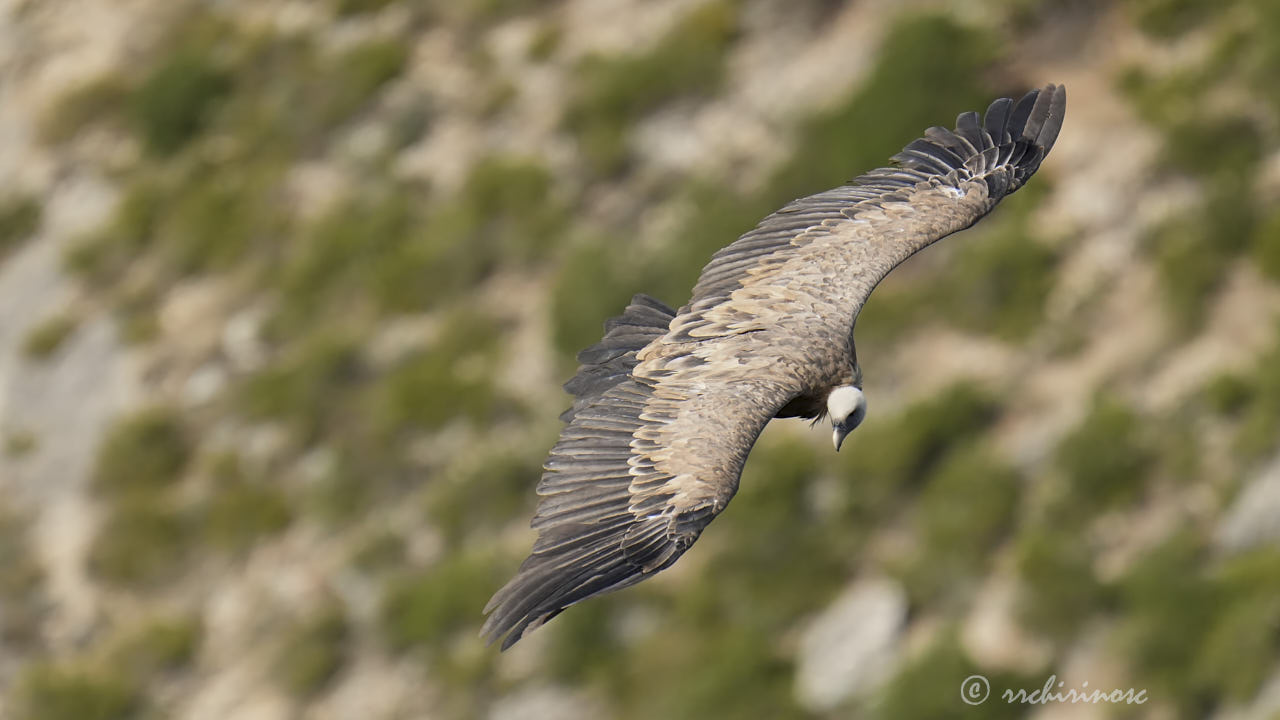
[668, 404]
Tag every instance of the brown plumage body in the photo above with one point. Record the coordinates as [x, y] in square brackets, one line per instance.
[669, 404]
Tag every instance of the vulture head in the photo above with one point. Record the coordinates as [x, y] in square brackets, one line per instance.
[846, 406]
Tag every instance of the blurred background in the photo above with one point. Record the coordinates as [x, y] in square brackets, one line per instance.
[288, 289]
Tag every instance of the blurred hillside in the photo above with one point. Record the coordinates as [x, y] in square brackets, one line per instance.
[288, 289]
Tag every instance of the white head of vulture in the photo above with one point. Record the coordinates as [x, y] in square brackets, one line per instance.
[667, 405]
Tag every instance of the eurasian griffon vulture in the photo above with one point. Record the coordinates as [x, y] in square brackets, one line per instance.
[667, 406]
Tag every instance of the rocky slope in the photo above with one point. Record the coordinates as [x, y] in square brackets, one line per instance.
[287, 290]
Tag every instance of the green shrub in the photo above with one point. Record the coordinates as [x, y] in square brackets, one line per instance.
[545, 41]
[105, 254]
[582, 640]
[1171, 18]
[360, 7]
[612, 93]
[427, 391]
[394, 255]
[737, 673]
[999, 282]
[53, 692]
[1255, 46]
[411, 122]
[103, 99]
[928, 686]
[885, 456]
[1244, 638]
[239, 509]
[175, 102]
[482, 501]
[19, 443]
[19, 219]
[43, 340]
[1190, 267]
[196, 217]
[516, 214]
[314, 651]
[1106, 458]
[589, 288]
[1259, 429]
[777, 539]
[426, 609]
[370, 247]
[383, 550]
[1229, 394]
[158, 646]
[1259, 432]
[1228, 147]
[22, 601]
[1266, 246]
[1176, 444]
[1194, 249]
[962, 512]
[140, 544]
[308, 388]
[239, 513]
[353, 78]
[142, 454]
[1164, 590]
[449, 380]
[219, 214]
[138, 316]
[1059, 588]
[345, 492]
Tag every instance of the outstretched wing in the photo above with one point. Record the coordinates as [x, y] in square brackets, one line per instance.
[834, 247]
[668, 405]
[613, 512]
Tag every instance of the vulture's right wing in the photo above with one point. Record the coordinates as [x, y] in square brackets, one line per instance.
[830, 249]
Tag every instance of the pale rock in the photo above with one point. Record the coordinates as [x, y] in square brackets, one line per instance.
[1251, 519]
[851, 647]
[993, 638]
[242, 341]
[376, 688]
[204, 384]
[192, 313]
[547, 703]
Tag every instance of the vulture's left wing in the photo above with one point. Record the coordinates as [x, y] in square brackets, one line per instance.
[647, 458]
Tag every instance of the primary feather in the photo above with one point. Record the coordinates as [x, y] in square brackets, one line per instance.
[668, 404]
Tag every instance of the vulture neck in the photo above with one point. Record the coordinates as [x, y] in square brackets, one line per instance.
[813, 406]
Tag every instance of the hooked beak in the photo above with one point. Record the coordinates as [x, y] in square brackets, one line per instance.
[837, 437]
